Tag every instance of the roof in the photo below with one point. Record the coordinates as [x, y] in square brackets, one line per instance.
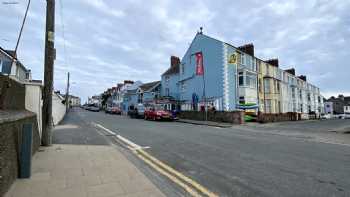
[6, 52]
[149, 86]
[172, 70]
[11, 54]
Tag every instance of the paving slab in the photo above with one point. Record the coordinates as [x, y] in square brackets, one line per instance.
[83, 171]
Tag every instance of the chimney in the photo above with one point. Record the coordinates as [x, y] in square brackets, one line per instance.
[273, 62]
[341, 97]
[128, 82]
[302, 77]
[291, 71]
[174, 61]
[247, 48]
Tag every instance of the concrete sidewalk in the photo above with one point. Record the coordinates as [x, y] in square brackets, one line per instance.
[82, 171]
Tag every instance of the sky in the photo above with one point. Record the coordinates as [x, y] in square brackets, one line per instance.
[103, 42]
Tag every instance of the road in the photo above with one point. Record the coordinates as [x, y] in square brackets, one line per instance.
[234, 161]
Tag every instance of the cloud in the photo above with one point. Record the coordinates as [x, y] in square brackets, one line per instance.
[109, 41]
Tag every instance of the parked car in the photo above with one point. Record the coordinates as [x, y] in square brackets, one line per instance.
[347, 116]
[326, 116]
[140, 108]
[157, 113]
[343, 116]
[113, 110]
[94, 108]
[136, 111]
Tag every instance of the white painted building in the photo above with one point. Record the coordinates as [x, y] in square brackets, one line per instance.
[347, 109]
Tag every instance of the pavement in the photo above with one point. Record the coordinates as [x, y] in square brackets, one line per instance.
[83, 164]
[207, 123]
[243, 160]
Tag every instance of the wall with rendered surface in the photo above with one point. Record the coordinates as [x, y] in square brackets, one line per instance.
[58, 109]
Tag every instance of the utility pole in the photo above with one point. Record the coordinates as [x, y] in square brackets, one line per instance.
[50, 55]
[67, 93]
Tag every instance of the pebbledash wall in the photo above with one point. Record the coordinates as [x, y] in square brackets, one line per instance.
[219, 84]
[12, 117]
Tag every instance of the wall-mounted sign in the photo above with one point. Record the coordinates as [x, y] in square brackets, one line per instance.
[232, 59]
[199, 63]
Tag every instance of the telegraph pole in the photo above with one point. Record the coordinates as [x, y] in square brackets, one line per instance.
[50, 55]
[67, 93]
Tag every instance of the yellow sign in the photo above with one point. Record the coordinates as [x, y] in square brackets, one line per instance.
[232, 59]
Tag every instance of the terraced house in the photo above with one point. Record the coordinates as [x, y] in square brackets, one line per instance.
[215, 73]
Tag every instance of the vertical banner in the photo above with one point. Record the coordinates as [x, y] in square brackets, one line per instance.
[199, 63]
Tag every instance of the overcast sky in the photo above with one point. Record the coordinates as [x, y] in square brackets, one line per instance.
[109, 41]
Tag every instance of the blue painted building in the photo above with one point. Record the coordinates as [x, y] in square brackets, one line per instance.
[149, 92]
[217, 86]
[170, 80]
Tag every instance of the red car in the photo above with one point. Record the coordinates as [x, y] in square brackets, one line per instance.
[113, 110]
[157, 113]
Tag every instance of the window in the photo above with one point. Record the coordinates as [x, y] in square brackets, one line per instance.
[182, 68]
[250, 80]
[293, 93]
[278, 87]
[167, 78]
[183, 87]
[308, 97]
[301, 108]
[267, 85]
[241, 100]
[300, 94]
[240, 79]
[167, 92]
[268, 104]
[243, 61]
[267, 70]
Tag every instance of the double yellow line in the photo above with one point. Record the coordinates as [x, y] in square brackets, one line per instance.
[189, 185]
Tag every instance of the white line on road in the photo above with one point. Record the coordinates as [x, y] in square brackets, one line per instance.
[102, 127]
[155, 163]
[123, 139]
[128, 142]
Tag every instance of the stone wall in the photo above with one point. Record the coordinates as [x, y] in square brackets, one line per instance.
[265, 118]
[11, 123]
[234, 117]
[13, 94]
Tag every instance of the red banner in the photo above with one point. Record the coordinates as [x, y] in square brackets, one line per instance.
[199, 64]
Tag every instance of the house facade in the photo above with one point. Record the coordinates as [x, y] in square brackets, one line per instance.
[233, 78]
[216, 85]
[339, 103]
[148, 93]
[9, 65]
[170, 80]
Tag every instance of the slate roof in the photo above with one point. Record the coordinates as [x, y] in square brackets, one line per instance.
[172, 70]
[148, 86]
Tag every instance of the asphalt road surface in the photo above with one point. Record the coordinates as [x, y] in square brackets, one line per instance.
[233, 161]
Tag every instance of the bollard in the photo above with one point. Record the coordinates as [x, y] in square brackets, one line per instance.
[25, 159]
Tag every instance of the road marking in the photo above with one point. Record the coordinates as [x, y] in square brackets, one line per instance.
[130, 143]
[189, 185]
[188, 189]
[102, 127]
[178, 174]
[168, 171]
[328, 142]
